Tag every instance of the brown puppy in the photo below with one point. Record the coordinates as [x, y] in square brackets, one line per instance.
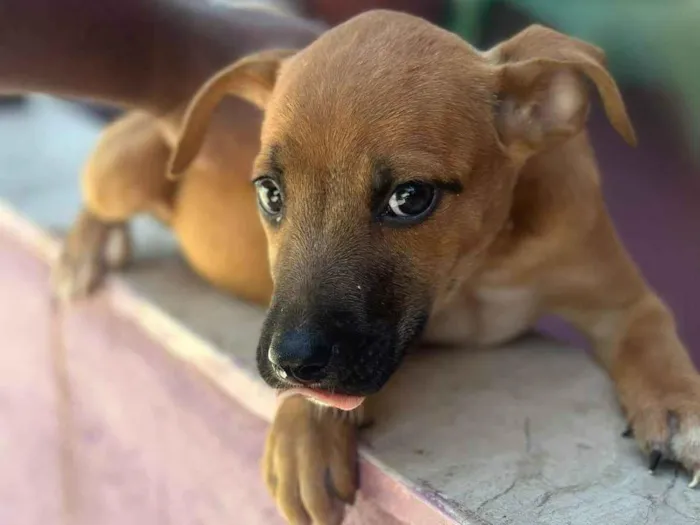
[410, 188]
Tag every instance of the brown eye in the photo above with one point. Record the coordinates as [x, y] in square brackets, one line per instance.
[412, 201]
[269, 196]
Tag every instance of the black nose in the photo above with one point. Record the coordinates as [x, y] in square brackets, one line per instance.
[302, 355]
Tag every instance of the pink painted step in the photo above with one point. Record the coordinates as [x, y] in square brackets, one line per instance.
[106, 427]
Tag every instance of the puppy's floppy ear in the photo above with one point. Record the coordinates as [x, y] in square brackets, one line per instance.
[252, 78]
[542, 90]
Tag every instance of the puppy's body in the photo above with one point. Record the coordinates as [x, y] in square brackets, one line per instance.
[516, 226]
[520, 229]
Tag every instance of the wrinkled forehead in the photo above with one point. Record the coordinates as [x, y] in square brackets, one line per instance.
[350, 101]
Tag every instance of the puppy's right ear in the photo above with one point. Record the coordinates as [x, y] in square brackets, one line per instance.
[543, 78]
[252, 78]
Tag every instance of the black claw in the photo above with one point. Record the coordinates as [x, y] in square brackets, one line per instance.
[654, 460]
[629, 432]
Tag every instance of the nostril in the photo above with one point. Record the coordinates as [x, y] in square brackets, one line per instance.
[309, 372]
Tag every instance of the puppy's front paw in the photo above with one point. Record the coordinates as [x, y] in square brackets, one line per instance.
[91, 249]
[310, 463]
[666, 425]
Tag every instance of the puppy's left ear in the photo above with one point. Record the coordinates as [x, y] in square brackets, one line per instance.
[542, 92]
[252, 78]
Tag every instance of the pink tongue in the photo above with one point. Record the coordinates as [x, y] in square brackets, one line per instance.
[339, 401]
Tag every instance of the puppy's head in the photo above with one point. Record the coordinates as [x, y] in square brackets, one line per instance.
[390, 149]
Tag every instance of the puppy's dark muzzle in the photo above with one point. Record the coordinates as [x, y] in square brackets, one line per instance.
[338, 328]
[336, 352]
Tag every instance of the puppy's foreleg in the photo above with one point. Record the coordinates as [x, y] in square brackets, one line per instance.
[310, 463]
[635, 339]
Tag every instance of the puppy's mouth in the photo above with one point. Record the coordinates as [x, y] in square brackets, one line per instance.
[323, 397]
[333, 363]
